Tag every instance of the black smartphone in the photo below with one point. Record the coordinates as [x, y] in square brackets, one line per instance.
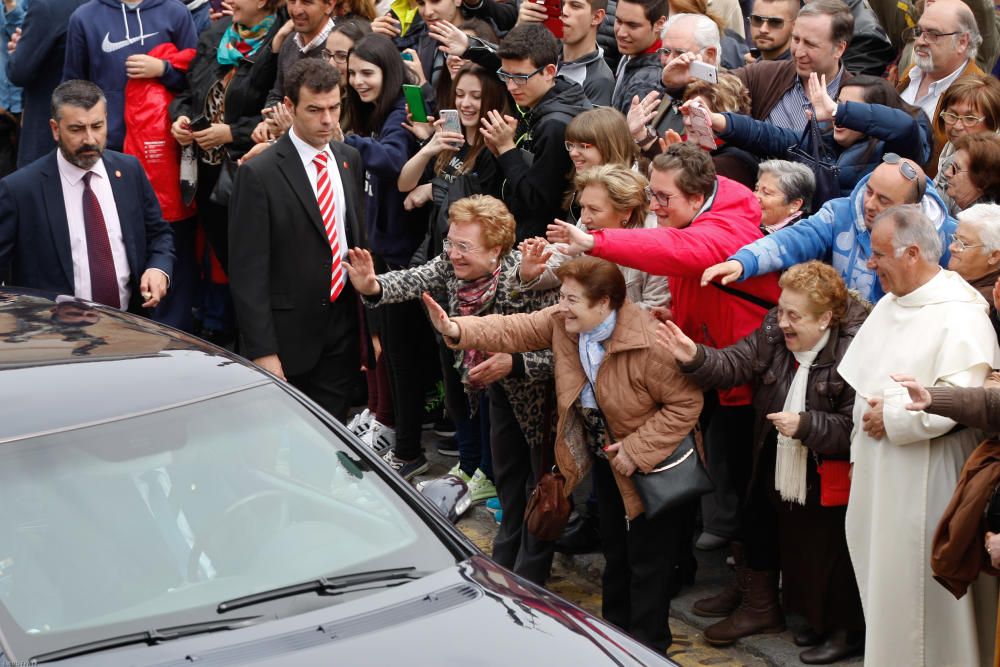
[755, 52]
[200, 123]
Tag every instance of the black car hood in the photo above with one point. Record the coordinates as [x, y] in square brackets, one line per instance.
[475, 613]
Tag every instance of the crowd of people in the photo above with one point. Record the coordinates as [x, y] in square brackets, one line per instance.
[598, 230]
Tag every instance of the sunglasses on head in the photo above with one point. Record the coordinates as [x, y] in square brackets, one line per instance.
[773, 22]
[908, 171]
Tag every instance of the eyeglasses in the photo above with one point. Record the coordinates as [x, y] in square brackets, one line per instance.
[461, 247]
[773, 22]
[961, 246]
[930, 36]
[336, 56]
[670, 53]
[574, 146]
[953, 170]
[908, 171]
[517, 79]
[661, 199]
[950, 118]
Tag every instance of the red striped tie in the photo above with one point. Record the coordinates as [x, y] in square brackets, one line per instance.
[324, 196]
[103, 278]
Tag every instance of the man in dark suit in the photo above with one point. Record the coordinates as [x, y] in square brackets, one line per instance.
[295, 210]
[83, 220]
[36, 65]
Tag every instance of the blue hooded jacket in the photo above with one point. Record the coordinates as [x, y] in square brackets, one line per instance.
[837, 234]
[102, 34]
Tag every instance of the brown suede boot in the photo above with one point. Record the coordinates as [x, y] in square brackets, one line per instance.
[726, 602]
[758, 613]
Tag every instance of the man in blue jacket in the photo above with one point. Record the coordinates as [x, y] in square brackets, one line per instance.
[840, 233]
[107, 42]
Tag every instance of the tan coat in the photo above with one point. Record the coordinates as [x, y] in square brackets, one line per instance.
[649, 405]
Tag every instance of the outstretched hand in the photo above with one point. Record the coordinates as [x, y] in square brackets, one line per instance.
[439, 318]
[535, 253]
[726, 271]
[676, 342]
[824, 107]
[920, 397]
[576, 240]
[361, 271]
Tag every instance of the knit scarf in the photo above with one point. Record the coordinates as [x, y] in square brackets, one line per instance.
[475, 297]
[790, 469]
[240, 41]
[592, 354]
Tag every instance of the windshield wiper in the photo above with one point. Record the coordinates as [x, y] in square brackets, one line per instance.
[150, 637]
[325, 586]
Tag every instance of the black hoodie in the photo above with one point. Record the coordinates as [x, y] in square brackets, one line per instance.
[536, 184]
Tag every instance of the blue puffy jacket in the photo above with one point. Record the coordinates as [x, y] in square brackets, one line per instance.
[897, 131]
[837, 234]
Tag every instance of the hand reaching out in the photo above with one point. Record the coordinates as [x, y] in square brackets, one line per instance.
[670, 336]
[439, 319]
[576, 240]
[920, 397]
[726, 271]
[361, 271]
[453, 41]
[824, 107]
[534, 255]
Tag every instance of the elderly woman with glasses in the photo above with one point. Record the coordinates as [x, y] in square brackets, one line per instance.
[973, 173]
[784, 190]
[975, 251]
[477, 275]
[970, 105]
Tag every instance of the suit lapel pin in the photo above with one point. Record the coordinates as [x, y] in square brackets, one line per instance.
[118, 174]
[345, 164]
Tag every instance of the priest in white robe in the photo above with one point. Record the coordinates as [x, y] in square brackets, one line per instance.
[933, 325]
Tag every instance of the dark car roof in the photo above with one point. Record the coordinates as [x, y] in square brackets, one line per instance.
[66, 363]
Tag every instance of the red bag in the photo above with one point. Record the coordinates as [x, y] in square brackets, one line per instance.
[834, 482]
[147, 133]
[548, 508]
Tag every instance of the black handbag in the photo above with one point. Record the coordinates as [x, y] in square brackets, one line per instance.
[992, 511]
[223, 190]
[678, 479]
[813, 152]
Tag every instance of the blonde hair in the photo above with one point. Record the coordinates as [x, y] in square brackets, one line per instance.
[728, 95]
[821, 284]
[607, 130]
[626, 189]
[490, 213]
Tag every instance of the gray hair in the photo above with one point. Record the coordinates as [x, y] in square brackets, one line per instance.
[705, 31]
[985, 218]
[75, 93]
[796, 181]
[912, 228]
[967, 24]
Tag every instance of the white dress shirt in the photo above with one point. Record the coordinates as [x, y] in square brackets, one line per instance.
[71, 178]
[934, 90]
[306, 154]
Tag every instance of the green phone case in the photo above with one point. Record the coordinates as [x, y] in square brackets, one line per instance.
[415, 102]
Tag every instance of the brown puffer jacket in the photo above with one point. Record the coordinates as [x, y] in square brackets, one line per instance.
[648, 404]
[763, 360]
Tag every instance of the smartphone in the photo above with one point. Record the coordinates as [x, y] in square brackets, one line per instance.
[200, 123]
[407, 56]
[704, 71]
[554, 24]
[415, 102]
[700, 127]
[451, 121]
[755, 52]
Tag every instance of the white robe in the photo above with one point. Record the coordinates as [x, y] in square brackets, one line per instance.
[941, 334]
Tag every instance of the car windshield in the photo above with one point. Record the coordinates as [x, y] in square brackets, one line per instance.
[153, 520]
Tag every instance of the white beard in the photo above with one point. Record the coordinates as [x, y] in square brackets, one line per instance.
[925, 63]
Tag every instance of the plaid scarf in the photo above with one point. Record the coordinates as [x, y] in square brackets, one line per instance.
[240, 41]
[476, 297]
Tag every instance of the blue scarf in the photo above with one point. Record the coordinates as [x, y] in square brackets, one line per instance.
[592, 354]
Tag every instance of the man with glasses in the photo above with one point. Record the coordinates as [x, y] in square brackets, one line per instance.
[771, 26]
[536, 183]
[840, 233]
[947, 39]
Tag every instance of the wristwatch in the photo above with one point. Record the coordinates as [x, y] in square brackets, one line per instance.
[650, 137]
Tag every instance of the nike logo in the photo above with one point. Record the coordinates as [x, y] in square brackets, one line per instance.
[110, 47]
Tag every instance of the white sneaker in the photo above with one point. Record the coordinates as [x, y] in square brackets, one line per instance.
[379, 437]
[480, 487]
[361, 422]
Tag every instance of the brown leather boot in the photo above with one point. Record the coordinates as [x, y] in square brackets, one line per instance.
[758, 613]
[726, 602]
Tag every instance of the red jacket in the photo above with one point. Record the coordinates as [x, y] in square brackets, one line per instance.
[707, 314]
[147, 133]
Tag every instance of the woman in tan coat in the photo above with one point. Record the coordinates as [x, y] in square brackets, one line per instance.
[623, 407]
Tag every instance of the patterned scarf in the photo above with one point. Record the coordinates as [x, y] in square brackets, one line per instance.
[475, 297]
[240, 41]
[592, 354]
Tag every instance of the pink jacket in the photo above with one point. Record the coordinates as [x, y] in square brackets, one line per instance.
[707, 314]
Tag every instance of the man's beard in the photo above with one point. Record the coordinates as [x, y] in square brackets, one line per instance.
[925, 63]
[79, 158]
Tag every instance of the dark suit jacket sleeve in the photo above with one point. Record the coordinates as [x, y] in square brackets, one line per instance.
[250, 262]
[38, 35]
[159, 236]
[8, 230]
[359, 231]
